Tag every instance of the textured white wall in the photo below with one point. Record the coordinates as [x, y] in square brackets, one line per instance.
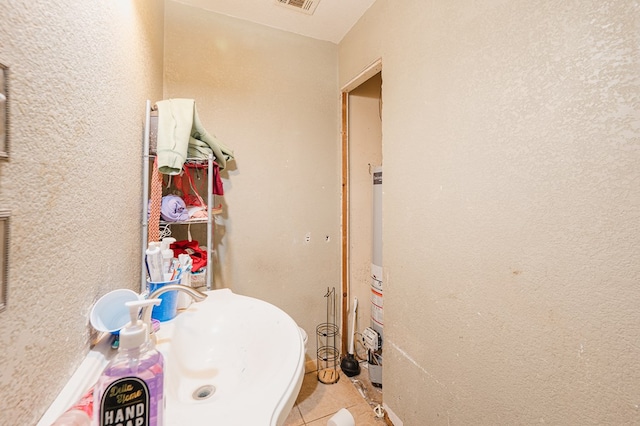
[272, 96]
[79, 76]
[511, 145]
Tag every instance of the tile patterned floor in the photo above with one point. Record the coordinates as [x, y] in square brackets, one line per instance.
[317, 402]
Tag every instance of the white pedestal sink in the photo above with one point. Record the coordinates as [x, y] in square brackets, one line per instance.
[229, 360]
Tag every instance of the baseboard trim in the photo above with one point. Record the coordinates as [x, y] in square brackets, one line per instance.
[390, 417]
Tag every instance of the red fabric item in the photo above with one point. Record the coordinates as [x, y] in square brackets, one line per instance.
[192, 248]
[179, 184]
[189, 191]
[218, 189]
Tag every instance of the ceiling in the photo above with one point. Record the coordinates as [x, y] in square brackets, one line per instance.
[331, 20]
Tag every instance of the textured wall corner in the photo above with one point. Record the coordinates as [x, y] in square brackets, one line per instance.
[80, 74]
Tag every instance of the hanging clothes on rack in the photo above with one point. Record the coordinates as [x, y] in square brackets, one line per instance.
[164, 144]
[181, 134]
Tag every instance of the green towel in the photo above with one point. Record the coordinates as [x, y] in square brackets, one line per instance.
[181, 134]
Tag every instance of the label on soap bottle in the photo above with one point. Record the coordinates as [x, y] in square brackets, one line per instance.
[125, 402]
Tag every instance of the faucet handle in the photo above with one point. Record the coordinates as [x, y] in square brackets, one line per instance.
[197, 295]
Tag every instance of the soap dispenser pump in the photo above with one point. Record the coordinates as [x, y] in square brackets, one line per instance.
[131, 388]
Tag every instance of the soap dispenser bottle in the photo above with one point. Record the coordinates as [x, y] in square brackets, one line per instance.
[130, 390]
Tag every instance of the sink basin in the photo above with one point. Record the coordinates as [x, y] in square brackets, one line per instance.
[229, 360]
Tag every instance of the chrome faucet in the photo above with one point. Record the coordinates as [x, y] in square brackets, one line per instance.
[197, 295]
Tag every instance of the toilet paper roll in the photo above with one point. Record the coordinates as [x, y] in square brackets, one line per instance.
[342, 418]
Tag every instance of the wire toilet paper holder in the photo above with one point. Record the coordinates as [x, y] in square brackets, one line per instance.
[328, 355]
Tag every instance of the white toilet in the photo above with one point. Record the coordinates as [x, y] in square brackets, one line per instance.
[305, 338]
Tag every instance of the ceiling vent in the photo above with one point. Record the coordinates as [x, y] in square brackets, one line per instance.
[305, 6]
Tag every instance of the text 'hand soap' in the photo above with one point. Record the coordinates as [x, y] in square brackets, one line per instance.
[130, 391]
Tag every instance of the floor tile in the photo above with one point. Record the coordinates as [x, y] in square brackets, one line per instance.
[362, 413]
[295, 418]
[317, 400]
[321, 422]
[310, 365]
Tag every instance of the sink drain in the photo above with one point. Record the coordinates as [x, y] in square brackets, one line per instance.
[204, 392]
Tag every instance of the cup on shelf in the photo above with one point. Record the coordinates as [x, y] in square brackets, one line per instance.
[109, 314]
[168, 308]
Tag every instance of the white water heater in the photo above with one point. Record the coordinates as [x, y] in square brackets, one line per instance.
[376, 255]
[377, 320]
[375, 341]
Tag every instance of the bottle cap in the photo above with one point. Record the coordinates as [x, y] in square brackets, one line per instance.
[166, 243]
[136, 333]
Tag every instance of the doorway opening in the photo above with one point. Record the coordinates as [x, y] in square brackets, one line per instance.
[361, 207]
